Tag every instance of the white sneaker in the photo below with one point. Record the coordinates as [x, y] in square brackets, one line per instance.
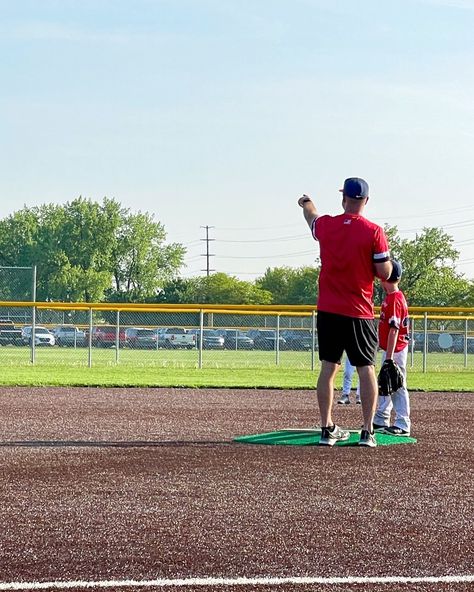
[330, 437]
[344, 400]
[367, 439]
[394, 431]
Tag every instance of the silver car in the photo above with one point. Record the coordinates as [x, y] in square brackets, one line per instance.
[43, 337]
[69, 336]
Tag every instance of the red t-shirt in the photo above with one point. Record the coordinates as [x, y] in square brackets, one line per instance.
[349, 246]
[394, 313]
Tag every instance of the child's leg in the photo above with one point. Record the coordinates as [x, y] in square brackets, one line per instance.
[384, 408]
[401, 399]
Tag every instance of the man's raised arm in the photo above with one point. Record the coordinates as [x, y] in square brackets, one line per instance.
[309, 209]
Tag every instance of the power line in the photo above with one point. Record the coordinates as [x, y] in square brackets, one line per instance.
[453, 225]
[430, 214]
[194, 242]
[194, 258]
[296, 237]
[269, 240]
[272, 256]
[259, 227]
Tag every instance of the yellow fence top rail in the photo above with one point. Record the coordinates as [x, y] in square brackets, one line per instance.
[219, 308]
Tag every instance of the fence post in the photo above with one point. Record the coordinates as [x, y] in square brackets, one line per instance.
[201, 335]
[89, 345]
[465, 342]
[313, 337]
[425, 341]
[33, 318]
[277, 341]
[117, 336]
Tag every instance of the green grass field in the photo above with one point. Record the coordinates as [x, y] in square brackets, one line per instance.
[232, 369]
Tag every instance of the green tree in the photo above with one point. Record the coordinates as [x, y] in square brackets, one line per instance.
[218, 288]
[17, 246]
[142, 262]
[291, 285]
[86, 250]
[429, 273]
[177, 291]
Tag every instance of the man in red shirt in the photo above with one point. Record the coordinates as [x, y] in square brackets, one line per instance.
[352, 250]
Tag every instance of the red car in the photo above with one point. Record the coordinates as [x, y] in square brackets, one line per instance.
[106, 336]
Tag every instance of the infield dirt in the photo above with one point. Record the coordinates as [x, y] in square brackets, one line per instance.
[147, 483]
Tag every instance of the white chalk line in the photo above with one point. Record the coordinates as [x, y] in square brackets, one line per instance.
[242, 581]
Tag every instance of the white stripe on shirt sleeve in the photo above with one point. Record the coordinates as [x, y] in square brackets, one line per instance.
[385, 256]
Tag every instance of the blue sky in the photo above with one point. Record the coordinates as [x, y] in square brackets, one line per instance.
[223, 112]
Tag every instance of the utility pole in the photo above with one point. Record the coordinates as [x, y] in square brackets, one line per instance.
[207, 254]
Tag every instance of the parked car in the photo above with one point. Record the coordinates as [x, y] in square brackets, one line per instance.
[106, 336]
[266, 339]
[211, 338]
[9, 334]
[416, 341]
[459, 344]
[69, 336]
[42, 336]
[234, 339]
[298, 339]
[176, 337]
[141, 338]
[438, 342]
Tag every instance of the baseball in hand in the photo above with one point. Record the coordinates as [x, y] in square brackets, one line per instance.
[303, 199]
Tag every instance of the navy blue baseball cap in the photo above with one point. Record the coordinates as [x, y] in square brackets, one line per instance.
[355, 188]
[396, 271]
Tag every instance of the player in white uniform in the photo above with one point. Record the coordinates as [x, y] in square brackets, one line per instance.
[393, 340]
[347, 385]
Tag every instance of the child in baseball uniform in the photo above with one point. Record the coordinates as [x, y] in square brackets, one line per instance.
[347, 385]
[393, 340]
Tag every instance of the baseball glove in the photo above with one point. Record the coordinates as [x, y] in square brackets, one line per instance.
[390, 378]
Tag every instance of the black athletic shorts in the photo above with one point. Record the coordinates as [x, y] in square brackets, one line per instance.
[357, 337]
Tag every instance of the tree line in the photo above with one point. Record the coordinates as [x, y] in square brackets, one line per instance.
[86, 251]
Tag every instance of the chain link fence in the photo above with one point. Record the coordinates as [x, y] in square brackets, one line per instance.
[99, 335]
[17, 284]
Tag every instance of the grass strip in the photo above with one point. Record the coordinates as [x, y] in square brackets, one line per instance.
[113, 375]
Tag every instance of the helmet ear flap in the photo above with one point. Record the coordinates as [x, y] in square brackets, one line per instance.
[396, 271]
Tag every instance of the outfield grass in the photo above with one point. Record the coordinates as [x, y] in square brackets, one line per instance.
[164, 368]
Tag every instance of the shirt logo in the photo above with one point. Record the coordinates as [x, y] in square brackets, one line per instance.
[348, 221]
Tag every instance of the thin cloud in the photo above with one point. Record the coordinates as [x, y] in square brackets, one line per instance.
[47, 31]
[460, 4]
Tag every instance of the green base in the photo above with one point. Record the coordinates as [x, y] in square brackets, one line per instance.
[310, 437]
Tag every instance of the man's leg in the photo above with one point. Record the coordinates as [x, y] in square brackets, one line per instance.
[330, 433]
[368, 394]
[325, 391]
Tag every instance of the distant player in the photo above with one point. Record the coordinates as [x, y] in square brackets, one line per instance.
[393, 339]
[345, 399]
